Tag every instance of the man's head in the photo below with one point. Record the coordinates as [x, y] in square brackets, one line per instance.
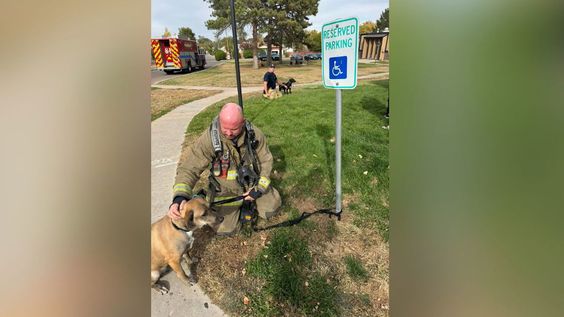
[231, 120]
[271, 68]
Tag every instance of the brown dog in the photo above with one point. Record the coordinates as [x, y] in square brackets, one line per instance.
[170, 240]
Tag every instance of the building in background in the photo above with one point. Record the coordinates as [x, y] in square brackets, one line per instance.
[374, 45]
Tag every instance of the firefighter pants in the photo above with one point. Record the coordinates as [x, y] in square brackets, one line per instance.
[267, 206]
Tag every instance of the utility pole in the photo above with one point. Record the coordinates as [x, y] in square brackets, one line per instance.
[236, 53]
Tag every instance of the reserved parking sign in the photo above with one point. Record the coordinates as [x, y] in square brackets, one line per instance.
[339, 48]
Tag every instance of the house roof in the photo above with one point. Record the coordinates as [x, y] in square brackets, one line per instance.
[375, 35]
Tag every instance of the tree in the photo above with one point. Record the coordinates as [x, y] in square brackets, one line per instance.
[206, 44]
[367, 27]
[384, 20]
[228, 43]
[186, 32]
[247, 12]
[166, 32]
[285, 20]
[313, 41]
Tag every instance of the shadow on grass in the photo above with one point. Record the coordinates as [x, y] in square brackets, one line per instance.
[278, 165]
[325, 133]
[373, 105]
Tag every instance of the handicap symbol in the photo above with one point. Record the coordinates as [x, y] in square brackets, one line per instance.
[338, 67]
[336, 71]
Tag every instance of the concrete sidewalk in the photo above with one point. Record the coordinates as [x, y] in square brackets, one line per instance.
[167, 135]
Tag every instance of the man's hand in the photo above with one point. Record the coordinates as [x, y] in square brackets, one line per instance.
[252, 194]
[173, 210]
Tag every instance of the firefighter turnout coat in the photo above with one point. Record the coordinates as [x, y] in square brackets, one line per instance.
[201, 155]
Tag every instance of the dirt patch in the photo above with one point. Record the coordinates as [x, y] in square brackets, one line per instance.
[222, 274]
[221, 271]
[349, 199]
[366, 298]
[165, 100]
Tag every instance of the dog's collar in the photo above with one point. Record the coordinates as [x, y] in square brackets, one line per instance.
[178, 228]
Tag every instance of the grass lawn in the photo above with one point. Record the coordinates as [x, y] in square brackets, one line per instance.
[224, 75]
[164, 100]
[321, 267]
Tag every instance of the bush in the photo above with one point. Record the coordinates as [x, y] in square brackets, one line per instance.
[220, 55]
[248, 53]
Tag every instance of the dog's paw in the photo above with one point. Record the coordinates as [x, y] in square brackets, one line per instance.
[161, 288]
[192, 280]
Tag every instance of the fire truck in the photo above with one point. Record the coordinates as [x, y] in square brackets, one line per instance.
[175, 54]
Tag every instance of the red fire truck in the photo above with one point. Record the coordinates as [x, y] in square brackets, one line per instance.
[174, 54]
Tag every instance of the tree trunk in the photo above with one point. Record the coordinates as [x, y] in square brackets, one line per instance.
[255, 46]
[280, 51]
[268, 50]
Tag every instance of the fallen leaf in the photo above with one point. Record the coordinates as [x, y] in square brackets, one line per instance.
[246, 300]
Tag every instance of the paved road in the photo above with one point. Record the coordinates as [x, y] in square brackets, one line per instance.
[157, 75]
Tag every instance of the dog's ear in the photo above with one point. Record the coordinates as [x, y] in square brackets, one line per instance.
[190, 224]
[184, 208]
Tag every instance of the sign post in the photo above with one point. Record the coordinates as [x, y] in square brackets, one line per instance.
[339, 48]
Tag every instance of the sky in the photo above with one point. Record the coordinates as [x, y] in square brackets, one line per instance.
[193, 13]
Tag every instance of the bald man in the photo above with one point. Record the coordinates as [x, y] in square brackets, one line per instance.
[239, 164]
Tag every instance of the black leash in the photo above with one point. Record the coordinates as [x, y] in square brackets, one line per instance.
[304, 215]
[229, 200]
[287, 223]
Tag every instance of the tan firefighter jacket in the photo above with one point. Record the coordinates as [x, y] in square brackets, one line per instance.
[201, 156]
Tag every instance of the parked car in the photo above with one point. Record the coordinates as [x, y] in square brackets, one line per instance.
[262, 56]
[311, 57]
[296, 59]
[318, 55]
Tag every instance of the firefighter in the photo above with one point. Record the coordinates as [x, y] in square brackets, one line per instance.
[269, 84]
[240, 163]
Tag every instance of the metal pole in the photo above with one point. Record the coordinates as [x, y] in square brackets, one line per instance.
[236, 52]
[338, 151]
